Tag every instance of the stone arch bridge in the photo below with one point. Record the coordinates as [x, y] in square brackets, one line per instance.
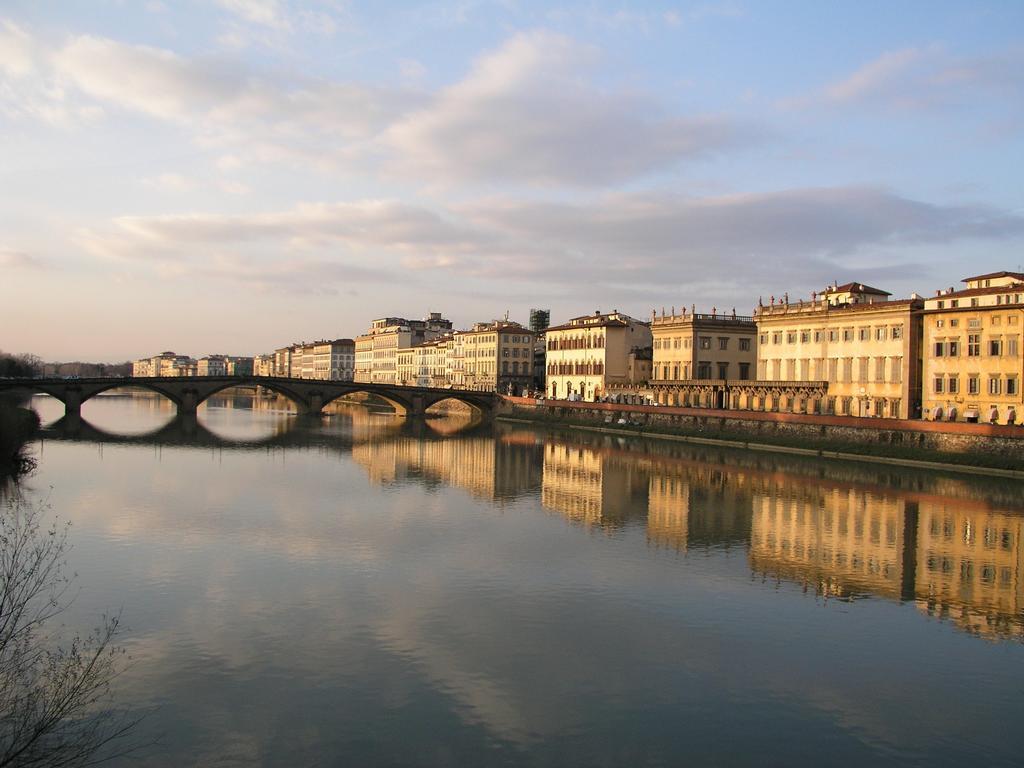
[309, 395]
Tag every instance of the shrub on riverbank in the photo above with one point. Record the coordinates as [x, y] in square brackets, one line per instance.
[17, 427]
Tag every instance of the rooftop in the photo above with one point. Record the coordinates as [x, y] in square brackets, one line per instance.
[1016, 275]
[855, 288]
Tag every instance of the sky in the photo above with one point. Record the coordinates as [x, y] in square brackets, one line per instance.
[232, 176]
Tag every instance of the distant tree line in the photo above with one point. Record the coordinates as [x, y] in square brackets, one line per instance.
[14, 366]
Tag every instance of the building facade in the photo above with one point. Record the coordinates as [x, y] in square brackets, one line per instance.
[864, 345]
[590, 354]
[263, 365]
[376, 351]
[334, 360]
[703, 346]
[973, 366]
[497, 357]
[213, 365]
[165, 364]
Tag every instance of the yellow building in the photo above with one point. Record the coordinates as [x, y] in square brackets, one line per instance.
[497, 357]
[972, 355]
[866, 346]
[703, 346]
[589, 354]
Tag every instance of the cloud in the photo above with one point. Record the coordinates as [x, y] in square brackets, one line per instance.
[528, 113]
[927, 78]
[149, 80]
[224, 104]
[729, 247]
[312, 243]
[14, 259]
[173, 182]
[16, 50]
[268, 13]
[635, 246]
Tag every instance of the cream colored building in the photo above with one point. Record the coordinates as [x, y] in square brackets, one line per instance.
[405, 367]
[263, 365]
[334, 360]
[867, 347]
[376, 351]
[589, 354]
[212, 365]
[497, 357]
[165, 364]
[283, 362]
[703, 346]
[431, 363]
[973, 366]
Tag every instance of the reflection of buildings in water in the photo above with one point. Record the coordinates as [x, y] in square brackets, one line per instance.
[932, 539]
[971, 567]
[589, 487]
[958, 561]
[488, 468]
[698, 506]
[668, 511]
[142, 399]
[841, 540]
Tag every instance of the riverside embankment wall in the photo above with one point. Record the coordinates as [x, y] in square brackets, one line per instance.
[982, 444]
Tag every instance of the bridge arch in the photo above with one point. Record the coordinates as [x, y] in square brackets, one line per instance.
[402, 406]
[273, 385]
[478, 409]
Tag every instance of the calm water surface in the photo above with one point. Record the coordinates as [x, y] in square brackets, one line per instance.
[361, 591]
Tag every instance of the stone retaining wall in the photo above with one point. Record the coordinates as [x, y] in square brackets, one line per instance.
[1001, 444]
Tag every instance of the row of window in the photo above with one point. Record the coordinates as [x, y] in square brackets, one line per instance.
[997, 385]
[703, 369]
[575, 369]
[577, 342]
[1002, 298]
[996, 347]
[834, 369]
[514, 369]
[864, 333]
[703, 342]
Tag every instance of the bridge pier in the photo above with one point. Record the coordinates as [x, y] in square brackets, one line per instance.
[315, 404]
[72, 410]
[188, 404]
[417, 407]
[72, 403]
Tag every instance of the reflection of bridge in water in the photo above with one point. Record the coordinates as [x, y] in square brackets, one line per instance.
[293, 432]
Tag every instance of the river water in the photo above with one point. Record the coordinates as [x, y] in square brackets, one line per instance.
[358, 590]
